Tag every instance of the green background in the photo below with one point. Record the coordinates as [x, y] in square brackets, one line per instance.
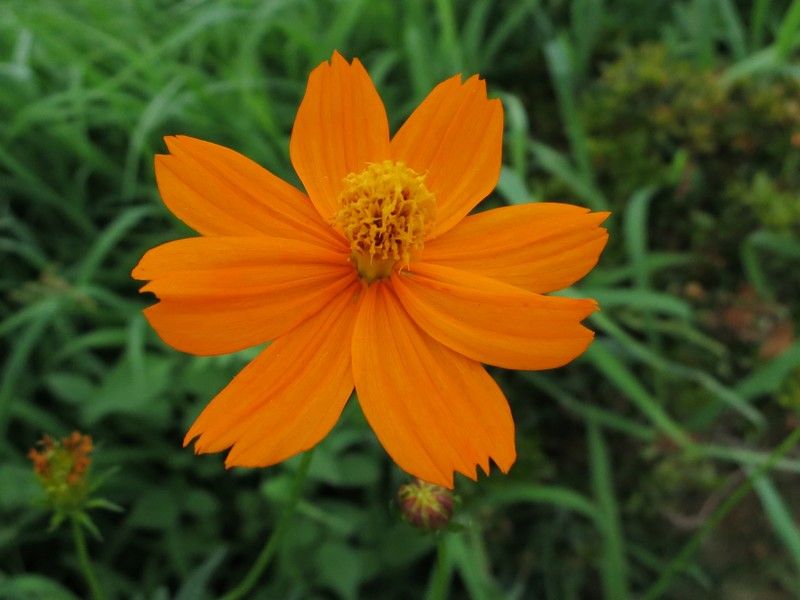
[659, 464]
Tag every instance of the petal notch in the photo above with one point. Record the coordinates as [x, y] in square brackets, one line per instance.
[288, 398]
[217, 191]
[340, 126]
[541, 247]
[455, 138]
[221, 294]
[493, 322]
[433, 410]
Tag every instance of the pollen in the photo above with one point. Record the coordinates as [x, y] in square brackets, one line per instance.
[385, 211]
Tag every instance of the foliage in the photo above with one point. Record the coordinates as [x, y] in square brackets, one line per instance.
[658, 120]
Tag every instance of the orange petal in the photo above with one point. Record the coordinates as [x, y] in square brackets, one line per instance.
[217, 191]
[340, 126]
[221, 294]
[289, 397]
[455, 138]
[540, 247]
[493, 322]
[434, 410]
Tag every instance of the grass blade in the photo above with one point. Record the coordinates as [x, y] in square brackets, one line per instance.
[769, 377]
[612, 368]
[758, 19]
[779, 517]
[681, 562]
[787, 38]
[734, 32]
[558, 54]
[555, 496]
[614, 567]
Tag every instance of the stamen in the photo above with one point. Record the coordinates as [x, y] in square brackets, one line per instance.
[385, 211]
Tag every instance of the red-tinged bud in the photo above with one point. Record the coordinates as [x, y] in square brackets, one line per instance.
[61, 466]
[425, 505]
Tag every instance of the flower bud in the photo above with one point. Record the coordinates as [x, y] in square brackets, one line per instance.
[425, 505]
[61, 466]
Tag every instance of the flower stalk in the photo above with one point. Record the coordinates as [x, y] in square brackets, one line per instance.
[85, 562]
[244, 587]
[442, 571]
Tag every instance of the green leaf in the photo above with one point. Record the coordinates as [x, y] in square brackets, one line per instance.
[341, 567]
[641, 299]
[517, 135]
[470, 560]
[85, 521]
[400, 545]
[766, 241]
[104, 504]
[155, 509]
[672, 369]
[789, 32]
[614, 566]
[196, 585]
[33, 587]
[769, 377]
[109, 238]
[681, 562]
[512, 187]
[16, 364]
[612, 368]
[20, 487]
[555, 496]
[70, 387]
[734, 30]
[556, 164]
[345, 469]
[780, 517]
[559, 56]
[124, 391]
[635, 228]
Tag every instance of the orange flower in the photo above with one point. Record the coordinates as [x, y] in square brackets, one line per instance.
[376, 279]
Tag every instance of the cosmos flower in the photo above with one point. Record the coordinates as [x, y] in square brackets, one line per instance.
[375, 278]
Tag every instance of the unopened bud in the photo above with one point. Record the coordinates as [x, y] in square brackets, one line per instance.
[425, 505]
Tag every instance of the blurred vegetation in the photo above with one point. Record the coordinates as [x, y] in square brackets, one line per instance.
[663, 463]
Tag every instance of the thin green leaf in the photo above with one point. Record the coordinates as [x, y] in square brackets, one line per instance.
[779, 516]
[682, 561]
[128, 219]
[770, 377]
[734, 31]
[556, 496]
[789, 32]
[558, 54]
[614, 566]
[612, 368]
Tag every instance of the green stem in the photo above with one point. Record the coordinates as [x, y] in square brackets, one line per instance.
[85, 561]
[441, 574]
[683, 560]
[262, 561]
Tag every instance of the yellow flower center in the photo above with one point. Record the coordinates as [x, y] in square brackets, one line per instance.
[385, 211]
